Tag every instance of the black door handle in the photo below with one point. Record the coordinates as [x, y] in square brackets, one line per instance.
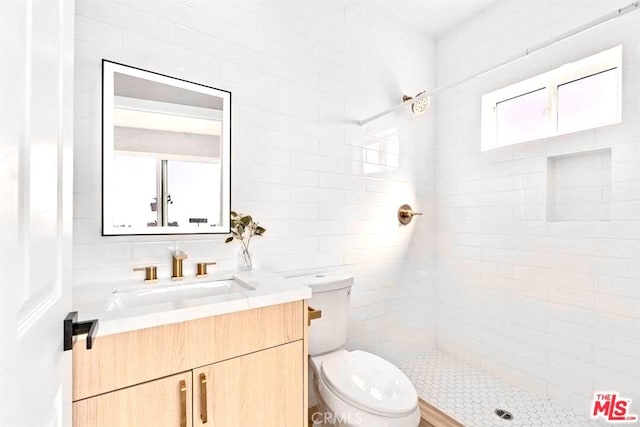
[73, 328]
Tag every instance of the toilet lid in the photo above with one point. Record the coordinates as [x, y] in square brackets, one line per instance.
[370, 383]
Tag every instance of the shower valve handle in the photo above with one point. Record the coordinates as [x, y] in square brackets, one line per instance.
[406, 214]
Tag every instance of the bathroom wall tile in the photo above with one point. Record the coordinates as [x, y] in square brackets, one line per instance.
[621, 306]
[323, 164]
[203, 43]
[263, 82]
[318, 227]
[144, 49]
[257, 191]
[106, 35]
[317, 195]
[128, 18]
[611, 323]
[617, 362]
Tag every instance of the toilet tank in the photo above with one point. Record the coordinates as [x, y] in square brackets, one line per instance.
[331, 294]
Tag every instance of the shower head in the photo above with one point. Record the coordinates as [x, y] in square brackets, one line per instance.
[420, 106]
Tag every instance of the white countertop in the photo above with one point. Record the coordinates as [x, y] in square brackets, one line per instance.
[268, 289]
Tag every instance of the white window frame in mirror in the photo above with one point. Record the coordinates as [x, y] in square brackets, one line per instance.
[109, 68]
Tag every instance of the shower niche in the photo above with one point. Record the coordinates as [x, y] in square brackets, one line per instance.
[579, 186]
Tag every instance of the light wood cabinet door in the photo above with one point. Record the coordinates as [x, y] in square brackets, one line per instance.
[161, 403]
[264, 389]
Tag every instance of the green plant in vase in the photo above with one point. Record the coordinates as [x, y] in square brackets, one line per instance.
[243, 228]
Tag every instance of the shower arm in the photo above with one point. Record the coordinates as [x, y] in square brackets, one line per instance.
[578, 30]
[390, 110]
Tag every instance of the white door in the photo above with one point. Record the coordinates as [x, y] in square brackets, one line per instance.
[36, 202]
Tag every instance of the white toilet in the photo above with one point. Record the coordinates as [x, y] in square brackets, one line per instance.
[353, 388]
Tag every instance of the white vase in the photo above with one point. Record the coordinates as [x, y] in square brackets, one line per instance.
[244, 259]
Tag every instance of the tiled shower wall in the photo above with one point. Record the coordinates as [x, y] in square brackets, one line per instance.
[326, 190]
[551, 306]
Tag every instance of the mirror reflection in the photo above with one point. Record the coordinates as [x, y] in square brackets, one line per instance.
[166, 154]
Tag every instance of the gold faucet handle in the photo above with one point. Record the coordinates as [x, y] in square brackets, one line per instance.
[150, 273]
[202, 268]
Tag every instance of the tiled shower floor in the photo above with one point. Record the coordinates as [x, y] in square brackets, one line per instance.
[471, 396]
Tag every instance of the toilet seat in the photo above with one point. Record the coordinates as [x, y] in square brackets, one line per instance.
[369, 383]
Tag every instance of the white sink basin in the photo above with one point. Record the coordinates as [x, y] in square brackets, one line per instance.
[176, 295]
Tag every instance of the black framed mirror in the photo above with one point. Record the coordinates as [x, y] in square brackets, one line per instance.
[166, 154]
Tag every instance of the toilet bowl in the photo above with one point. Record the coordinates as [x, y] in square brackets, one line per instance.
[353, 388]
[356, 388]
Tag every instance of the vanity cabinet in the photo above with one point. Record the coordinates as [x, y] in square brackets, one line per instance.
[239, 369]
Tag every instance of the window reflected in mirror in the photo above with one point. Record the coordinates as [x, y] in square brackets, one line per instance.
[135, 189]
[186, 204]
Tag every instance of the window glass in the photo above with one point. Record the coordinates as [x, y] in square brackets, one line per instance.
[588, 102]
[522, 118]
[135, 190]
[188, 205]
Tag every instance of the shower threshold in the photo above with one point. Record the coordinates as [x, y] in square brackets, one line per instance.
[454, 393]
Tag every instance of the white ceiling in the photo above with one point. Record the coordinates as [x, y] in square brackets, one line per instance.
[434, 17]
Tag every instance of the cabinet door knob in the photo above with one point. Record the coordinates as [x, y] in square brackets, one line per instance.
[183, 403]
[203, 398]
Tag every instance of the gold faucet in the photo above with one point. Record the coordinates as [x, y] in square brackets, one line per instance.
[151, 273]
[202, 269]
[178, 258]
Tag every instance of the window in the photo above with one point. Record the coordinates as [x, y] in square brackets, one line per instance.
[588, 102]
[151, 191]
[135, 188]
[581, 95]
[187, 205]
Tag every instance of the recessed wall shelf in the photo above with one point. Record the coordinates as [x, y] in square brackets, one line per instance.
[579, 186]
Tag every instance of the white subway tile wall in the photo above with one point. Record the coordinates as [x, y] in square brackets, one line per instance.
[551, 306]
[301, 73]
